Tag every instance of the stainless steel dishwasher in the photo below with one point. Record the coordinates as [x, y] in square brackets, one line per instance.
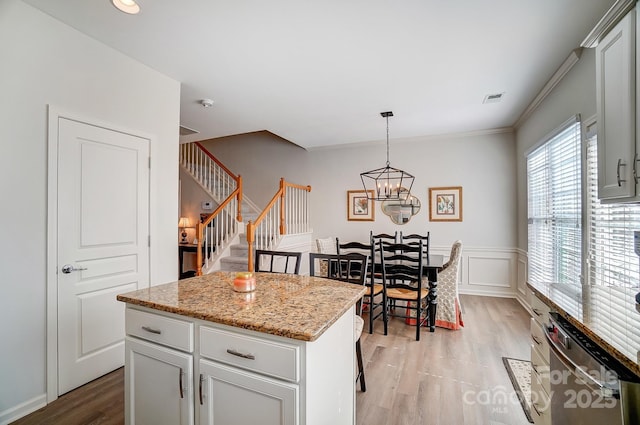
[588, 387]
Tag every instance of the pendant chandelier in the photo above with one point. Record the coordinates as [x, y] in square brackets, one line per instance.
[387, 181]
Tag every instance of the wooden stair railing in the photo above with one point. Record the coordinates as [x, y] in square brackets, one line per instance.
[288, 210]
[217, 230]
[211, 237]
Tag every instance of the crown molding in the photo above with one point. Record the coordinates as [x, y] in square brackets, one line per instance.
[615, 13]
[415, 139]
[566, 66]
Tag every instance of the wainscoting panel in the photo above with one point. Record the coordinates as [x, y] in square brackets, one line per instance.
[487, 271]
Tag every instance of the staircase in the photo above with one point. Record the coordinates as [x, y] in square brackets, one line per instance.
[222, 236]
[238, 257]
[222, 243]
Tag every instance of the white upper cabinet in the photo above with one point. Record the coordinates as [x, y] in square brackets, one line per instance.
[616, 108]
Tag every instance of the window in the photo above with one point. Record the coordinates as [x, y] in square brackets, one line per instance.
[613, 268]
[611, 257]
[554, 207]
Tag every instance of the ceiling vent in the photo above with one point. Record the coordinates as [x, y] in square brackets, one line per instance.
[186, 131]
[493, 98]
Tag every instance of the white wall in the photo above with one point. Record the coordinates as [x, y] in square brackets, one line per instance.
[45, 62]
[482, 163]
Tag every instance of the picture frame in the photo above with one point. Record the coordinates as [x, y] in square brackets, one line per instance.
[359, 207]
[445, 203]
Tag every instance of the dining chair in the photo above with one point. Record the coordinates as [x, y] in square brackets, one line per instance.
[376, 297]
[350, 268]
[384, 237]
[413, 239]
[277, 261]
[449, 313]
[402, 275]
[326, 245]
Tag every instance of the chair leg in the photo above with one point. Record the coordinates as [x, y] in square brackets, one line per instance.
[385, 313]
[371, 314]
[418, 318]
[360, 376]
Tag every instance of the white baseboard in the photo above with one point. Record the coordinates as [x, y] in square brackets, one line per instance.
[23, 409]
[524, 302]
[491, 292]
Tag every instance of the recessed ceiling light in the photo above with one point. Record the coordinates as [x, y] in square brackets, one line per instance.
[127, 6]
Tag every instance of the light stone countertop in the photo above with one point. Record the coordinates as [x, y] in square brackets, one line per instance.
[611, 321]
[292, 306]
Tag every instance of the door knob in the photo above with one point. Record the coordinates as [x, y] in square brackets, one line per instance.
[68, 268]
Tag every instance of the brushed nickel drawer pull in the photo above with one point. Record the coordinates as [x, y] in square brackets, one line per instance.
[150, 329]
[536, 312]
[239, 354]
[536, 340]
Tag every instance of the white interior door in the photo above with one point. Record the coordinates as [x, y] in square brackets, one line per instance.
[103, 228]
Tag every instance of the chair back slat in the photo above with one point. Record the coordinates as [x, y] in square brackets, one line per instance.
[274, 258]
[401, 265]
[414, 239]
[375, 298]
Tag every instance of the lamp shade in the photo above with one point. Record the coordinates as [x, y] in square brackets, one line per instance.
[184, 222]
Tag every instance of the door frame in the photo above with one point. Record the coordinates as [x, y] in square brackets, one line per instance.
[54, 113]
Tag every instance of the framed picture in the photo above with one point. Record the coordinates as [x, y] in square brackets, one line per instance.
[445, 203]
[359, 208]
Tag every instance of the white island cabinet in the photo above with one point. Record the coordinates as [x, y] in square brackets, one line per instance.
[183, 367]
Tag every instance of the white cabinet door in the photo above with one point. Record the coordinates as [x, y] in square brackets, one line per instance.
[231, 396]
[158, 385]
[616, 99]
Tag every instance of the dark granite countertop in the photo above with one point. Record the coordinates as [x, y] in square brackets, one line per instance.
[608, 315]
[292, 306]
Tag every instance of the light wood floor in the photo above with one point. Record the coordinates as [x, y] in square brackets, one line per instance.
[448, 377]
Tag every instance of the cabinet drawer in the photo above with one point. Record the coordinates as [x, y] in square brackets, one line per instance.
[539, 340]
[161, 329]
[540, 404]
[264, 356]
[540, 310]
[540, 371]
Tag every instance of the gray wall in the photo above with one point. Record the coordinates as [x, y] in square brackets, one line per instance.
[575, 94]
[261, 159]
[45, 62]
[483, 164]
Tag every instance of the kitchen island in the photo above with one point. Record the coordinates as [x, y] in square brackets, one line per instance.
[199, 352]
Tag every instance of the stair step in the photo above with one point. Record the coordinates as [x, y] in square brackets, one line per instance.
[239, 250]
[233, 264]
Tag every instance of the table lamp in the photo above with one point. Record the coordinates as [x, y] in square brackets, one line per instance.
[183, 224]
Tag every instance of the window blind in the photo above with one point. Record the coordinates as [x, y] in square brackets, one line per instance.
[613, 268]
[554, 208]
